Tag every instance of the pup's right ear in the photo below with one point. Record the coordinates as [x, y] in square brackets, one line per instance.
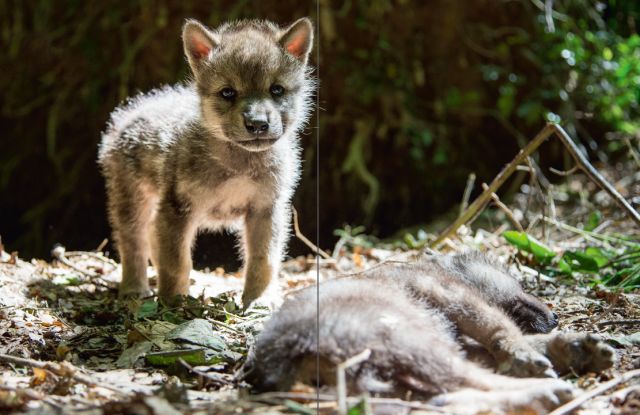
[199, 44]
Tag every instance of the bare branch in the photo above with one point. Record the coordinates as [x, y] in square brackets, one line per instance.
[481, 201]
[304, 239]
[577, 402]
[505, 209]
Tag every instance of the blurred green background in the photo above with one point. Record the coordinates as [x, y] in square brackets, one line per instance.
[415, 95]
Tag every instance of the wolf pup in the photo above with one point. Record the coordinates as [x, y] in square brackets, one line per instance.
[218, 153]
[412, 318]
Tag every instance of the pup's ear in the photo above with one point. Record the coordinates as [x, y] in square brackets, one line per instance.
[297, 39]
[198, 43]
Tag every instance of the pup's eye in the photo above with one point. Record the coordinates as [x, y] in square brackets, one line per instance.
[277, 90]
[228, 93]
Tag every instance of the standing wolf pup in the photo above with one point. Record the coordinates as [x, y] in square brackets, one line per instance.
[218, 153]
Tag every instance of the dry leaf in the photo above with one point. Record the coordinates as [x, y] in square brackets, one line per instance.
[357, 259]
[39, 376]
[61, 351]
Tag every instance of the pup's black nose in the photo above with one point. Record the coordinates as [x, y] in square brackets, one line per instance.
[257, 125]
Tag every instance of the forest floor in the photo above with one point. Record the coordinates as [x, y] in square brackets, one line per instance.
[68, 346]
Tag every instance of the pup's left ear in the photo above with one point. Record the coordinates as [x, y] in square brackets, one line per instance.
[297, 39]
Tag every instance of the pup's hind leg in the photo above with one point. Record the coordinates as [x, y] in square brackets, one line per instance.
[508, 395]
[577, 352]
[464, 386]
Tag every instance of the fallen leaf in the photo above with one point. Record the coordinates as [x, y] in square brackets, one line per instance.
[192, 356]
[199, 332]
[131, 355]
[39, 376]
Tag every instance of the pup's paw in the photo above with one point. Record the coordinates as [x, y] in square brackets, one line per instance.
[549, 395]
[523, 361]
[257, 278]
[530, 396]
[580, 353]
[133, 292]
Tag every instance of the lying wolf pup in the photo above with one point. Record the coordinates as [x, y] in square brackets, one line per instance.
[218, 153]
[409, 317]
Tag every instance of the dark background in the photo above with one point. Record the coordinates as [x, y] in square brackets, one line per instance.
[414, 96]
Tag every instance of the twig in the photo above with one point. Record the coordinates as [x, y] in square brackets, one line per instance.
[633, 151]
[590, 235]
[217, 379]
[542, 180]
[226, 326]
[104, 243]
[95, 255]
[64, 369]
[577, 402]
[612, 305]
[481, 201]
[619, 322]
[336, 249]
[548, 15]
[327, 397]
[341, 384]
[471, 180]
[304, 239]
[594, 175]
[505, 209]
[566, 172]
[58, 252]
[537, 179]
[31, 395]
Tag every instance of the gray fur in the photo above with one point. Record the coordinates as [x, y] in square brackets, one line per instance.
[412, 318]
[497, 287]
[182, 159]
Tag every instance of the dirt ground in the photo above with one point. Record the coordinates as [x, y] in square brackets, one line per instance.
[68, 346]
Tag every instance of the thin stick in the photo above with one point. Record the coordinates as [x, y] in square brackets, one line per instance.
[95, 255]
[218, 380]
[507, 171]
[590, 235]
[104, 243]
[619, 322]
[482, 200]
[326, 397]
[471, 180]
[564, 173]
[505, 209]
[577, 402]
[341, 384]
[594, 175]
[32, 395]
[64, 369]
[304, 239]
[59, 253]
[633, 151]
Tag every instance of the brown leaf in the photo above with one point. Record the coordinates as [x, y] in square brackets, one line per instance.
[61, 351]
[39, 376]
[10, 400]
[357, 259]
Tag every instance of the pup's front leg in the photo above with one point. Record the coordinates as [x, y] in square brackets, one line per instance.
[262, 253]
[175, 231]
[574, 352]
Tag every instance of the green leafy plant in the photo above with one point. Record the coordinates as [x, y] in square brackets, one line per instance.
[529, 244]
[617, 268]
